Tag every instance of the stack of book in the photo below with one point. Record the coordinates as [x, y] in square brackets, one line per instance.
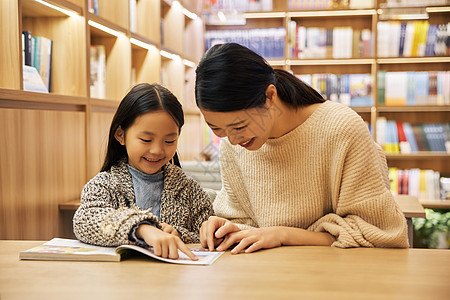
[93, 6]
[413, 88]
[415, 38]
[423, 184]
[237, 5]
[37, 53]
[337, 42]
[267, 42]
[349, 89]
[401, 137]
[328, 4]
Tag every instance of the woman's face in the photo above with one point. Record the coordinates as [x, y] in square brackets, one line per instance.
[249, 128]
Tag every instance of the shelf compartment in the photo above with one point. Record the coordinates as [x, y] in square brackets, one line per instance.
[115, 11]
[68, 35]
[145, 63]
[172, 26]
[118, 57]
[148, 13]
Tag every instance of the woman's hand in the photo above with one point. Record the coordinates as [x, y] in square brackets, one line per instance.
[213, 231]
[169, 229]
[253, 239]
[164, 244]
[270, 237]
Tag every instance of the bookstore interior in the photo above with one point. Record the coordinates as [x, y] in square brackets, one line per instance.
[66, 64]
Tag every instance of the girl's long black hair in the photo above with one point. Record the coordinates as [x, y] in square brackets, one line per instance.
[141, 99]
[231, 77]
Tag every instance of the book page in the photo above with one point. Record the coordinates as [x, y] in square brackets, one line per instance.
[75, 246]
[205, 257]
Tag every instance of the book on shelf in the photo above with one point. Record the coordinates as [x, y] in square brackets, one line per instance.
[412, 38]
[240, 6]
[27, 48]
[32, 80]
[349, 89]
[423, 184]
[405, 138]
[267, 42]
[37, 53]
[93, 6]
[338, 42]
[329, 4]
[133, 17]
[74, 250]
[413, 88]
[97, 71]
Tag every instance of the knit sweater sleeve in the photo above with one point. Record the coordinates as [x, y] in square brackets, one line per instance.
[101, 219]
[200, 210]
[227, 203]
[365, 213]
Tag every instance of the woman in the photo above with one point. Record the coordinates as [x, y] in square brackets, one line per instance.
[296, 169]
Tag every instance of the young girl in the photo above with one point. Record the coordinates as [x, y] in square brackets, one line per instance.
[296, 169]
[141, 194]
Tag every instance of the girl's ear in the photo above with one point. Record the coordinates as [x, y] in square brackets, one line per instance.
[120, 136]
[271, 95]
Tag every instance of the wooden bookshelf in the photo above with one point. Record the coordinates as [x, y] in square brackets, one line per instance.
[55, 142]
[363, 19]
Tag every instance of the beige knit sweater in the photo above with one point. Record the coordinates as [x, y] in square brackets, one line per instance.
[325, 175]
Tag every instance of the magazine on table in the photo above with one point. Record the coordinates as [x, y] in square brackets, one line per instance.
[74, 250]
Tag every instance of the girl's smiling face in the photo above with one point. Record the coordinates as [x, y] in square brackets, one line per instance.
[151, 141]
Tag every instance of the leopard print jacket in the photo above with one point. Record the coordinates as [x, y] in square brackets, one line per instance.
[108, 208]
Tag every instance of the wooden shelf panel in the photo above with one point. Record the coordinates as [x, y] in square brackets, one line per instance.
[419, 155]
[435, 203]
[414, 109]
[24, 96]
[332, 13]
[265, 15]
[32, 8]
[413, 60]
[104, 22]
[327, 62]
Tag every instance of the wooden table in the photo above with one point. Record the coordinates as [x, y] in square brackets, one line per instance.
[281, 273]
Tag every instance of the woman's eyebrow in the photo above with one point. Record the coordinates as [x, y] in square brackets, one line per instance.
[231, 124]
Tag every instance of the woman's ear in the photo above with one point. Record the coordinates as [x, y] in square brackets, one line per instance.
[120, 136]
[271, 95]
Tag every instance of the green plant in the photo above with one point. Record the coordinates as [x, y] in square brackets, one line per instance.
[430, 229]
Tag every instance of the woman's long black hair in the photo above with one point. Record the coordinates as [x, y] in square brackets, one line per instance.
[231, 77]
[141, 99]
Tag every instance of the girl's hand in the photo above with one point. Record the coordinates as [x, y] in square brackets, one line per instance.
[213, 231]
[253, 239]
[164, 244]
[169, 229]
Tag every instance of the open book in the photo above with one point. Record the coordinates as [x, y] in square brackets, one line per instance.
[67, 249]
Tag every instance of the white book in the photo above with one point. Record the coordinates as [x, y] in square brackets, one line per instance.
[409, 37]
[32, 81]
[133, 18]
